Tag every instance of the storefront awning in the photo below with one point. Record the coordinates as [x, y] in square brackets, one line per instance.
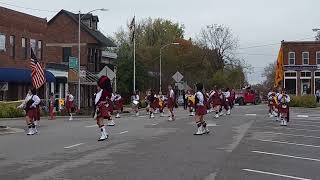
[21, 75]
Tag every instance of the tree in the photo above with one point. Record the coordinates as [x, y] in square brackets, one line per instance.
[219, 38]
[269, 73]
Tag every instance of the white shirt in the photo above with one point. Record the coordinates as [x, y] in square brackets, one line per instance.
[171, 93]
[35, 98]
[200, 97]
[227, 94]
[287, 99]
[135, 97]
[98, 96]
[71, 98]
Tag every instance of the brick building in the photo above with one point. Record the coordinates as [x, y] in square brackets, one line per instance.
[19, 33]
[62, 43]
[302, 66]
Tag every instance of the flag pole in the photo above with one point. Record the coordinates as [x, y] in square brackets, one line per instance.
[134, 56]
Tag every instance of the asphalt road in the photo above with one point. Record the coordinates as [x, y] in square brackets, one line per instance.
[246, 145]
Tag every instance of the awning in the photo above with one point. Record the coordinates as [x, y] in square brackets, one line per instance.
[21, 75]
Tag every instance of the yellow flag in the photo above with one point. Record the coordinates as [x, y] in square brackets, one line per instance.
[279, 69]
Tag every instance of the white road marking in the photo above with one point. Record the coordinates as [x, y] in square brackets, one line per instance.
[284, 155]
[295, 129]
[75, 145]
[154, 124]
[304, 125]
[92, 126]
[143, 116]
[212, 125]
[290, 143]
[302, 116]
[251, 114]
[294, 135]
[274, 174]
[123, 132]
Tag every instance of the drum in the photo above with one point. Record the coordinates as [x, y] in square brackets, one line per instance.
[135, 102]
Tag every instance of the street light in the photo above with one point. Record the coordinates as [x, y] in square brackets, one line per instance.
[79, 48]
[161, 60]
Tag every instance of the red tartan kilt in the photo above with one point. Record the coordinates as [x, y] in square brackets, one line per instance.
[283, 110]
[118, 105]
[103, 111]
[216, 102]
[32, 113]
[154, 104]
[170, 103]
[201, 110]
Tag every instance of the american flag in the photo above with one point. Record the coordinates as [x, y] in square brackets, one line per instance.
[37, 73]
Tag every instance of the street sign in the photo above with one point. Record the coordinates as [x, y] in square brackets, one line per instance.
[73, 63]
[177, 76]
[3, 86]
[108, 72]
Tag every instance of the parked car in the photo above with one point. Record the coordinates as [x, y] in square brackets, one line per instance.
[246, 96]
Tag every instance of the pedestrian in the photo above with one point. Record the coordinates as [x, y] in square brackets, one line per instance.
[103, 94]
[135, 102]
[118, 103]
[161, 104]
[318, 95]
[227, 100]
[171, 102]
[284, 100]
[51, 107]
[215, 100]
[152, 103]
[70, 105]
[200, 111]
[185, 101]
[191, 103]
[30, 106]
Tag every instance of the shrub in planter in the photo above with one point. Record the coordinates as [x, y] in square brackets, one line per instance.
[307, 101]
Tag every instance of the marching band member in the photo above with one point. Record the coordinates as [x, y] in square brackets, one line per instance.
[272, 103]
[161, 104]
[118, 104]
[215, 101]
[152, 103]
[30, 106]
[51, 108]
[191, 103]
[70, 105]
[135, 102]
[232, 98]
[200, 111]
[284, 100]
[147, 101]
[104, 93]
[171, 102]
[227, 104]
[222, 101]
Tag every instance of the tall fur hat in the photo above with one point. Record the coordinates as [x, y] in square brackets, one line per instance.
[105, 83]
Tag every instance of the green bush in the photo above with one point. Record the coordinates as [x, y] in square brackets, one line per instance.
[10, 110]
[307, 101]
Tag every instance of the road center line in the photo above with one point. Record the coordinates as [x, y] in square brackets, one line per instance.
[75, 145]
[123, 132]
[274, 174]
[295, 135]
[251, 114]
[284, 155]
[154, 124]
[302, 116]
[311, 130]
[290, 143]
[91, 126]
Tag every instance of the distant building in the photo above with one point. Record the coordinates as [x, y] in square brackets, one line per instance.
[302, 66]
[19, 33]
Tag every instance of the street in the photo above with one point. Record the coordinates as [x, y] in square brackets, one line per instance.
[247, 145]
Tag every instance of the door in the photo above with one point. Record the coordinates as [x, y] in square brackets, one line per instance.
[305, 86]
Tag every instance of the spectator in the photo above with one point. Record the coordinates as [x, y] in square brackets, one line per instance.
[318, 95]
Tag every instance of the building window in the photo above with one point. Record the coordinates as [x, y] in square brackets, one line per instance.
[66, 53]
[318, 57]
[89, 55]
[39, 50]
[292, 58]
[33, 45]
[305, 74]
[305, 58]
[290, 74]
[24, 48]
[12, 40]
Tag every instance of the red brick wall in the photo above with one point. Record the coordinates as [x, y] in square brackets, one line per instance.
[20, 25]
[298, 48]
[64, 30]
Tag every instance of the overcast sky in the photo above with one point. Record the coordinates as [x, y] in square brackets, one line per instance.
[254, 22]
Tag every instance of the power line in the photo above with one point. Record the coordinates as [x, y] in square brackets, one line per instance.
[28, 8]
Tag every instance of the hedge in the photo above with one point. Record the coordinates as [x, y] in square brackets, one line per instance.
[10, 110]
[307, 101]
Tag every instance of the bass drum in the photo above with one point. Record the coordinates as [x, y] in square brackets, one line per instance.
[135, 102]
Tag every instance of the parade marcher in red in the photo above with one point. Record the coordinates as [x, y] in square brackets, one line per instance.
[30, 106]
[135, 103]
[152, 103]
[101, 102]
[227, 100]
[70, 104]
[272, 103]
[51, 107]
[284, 100]
[118, 104]
[232, 98]
[215, 100]
[161, 104]
[200, 111]
[171, 103]
[191, 103]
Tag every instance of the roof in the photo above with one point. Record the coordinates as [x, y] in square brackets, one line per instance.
[101, 38]
[300, 42]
